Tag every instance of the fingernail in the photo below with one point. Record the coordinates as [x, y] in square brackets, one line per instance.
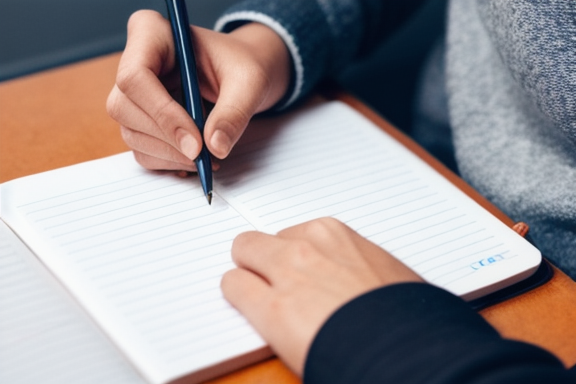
[188, 146]
[221, 141]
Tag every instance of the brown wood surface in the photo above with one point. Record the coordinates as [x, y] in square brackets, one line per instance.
[58, 118]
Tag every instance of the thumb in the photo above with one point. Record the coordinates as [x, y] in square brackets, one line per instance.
[230, 116]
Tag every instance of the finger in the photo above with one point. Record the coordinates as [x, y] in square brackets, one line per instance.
[144, 139]
[149, 54]
[128, 114]
[224, 127]
[338, 240]
[237, 88]
[341, 244]
[267, 312]
[260, 253]
[331, 236]
[253, 298]
[244, 290]
[230, 116]
[155, 149]
[156, 164]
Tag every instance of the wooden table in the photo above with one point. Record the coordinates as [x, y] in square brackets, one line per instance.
[58, 118]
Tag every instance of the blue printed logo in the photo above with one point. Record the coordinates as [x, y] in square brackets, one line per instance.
[484, 262]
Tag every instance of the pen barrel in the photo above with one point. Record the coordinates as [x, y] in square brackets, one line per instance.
[191, 96]
[192, 99]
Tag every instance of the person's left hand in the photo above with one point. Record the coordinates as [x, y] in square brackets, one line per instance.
[287, 285]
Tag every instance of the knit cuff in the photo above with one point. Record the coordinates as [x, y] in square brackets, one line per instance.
[307, 46]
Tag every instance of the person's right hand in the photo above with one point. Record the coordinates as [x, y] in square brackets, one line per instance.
[244, 72]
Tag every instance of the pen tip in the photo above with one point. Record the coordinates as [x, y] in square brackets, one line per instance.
[209, 197]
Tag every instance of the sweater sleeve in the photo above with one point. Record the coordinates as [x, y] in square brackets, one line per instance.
[417, 333]
[322, 36]
[536, 42]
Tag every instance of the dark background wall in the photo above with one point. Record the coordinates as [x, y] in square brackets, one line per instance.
[40, 34]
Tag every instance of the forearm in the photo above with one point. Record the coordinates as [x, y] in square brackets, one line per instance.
[417, 333]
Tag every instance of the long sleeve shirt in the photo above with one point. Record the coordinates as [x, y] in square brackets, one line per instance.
[417, 333]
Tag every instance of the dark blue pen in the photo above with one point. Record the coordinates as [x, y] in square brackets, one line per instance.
[190, 89]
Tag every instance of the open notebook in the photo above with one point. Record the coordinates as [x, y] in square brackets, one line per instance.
[143, 253]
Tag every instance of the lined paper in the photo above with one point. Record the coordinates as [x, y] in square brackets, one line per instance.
[144, 253]
[332, 162]
[44, 336]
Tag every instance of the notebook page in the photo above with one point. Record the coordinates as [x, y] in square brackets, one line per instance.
[44, 336]
[331, 161]
[144, 253]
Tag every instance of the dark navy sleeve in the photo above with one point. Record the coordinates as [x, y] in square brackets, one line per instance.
[322, 36]
[417, 333]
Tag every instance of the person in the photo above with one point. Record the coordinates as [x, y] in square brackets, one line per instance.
[332, 305]
[336, 308]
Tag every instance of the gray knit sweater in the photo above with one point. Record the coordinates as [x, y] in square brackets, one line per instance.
[503, 82]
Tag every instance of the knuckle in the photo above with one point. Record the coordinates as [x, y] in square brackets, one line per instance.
[143, 160]
[302, 254]
[234, 117]
[141, 16]
[127, 135]
[278, 305]
[127, 77]
[323, 227]
[166, 115]
[134, 19]
[113, 107]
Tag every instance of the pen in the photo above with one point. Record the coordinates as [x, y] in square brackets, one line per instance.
[178, 17]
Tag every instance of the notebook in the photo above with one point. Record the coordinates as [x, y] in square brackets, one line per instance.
[143, 253]
[45, 337]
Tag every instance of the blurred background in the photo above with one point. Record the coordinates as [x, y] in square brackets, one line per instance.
[40, 34]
